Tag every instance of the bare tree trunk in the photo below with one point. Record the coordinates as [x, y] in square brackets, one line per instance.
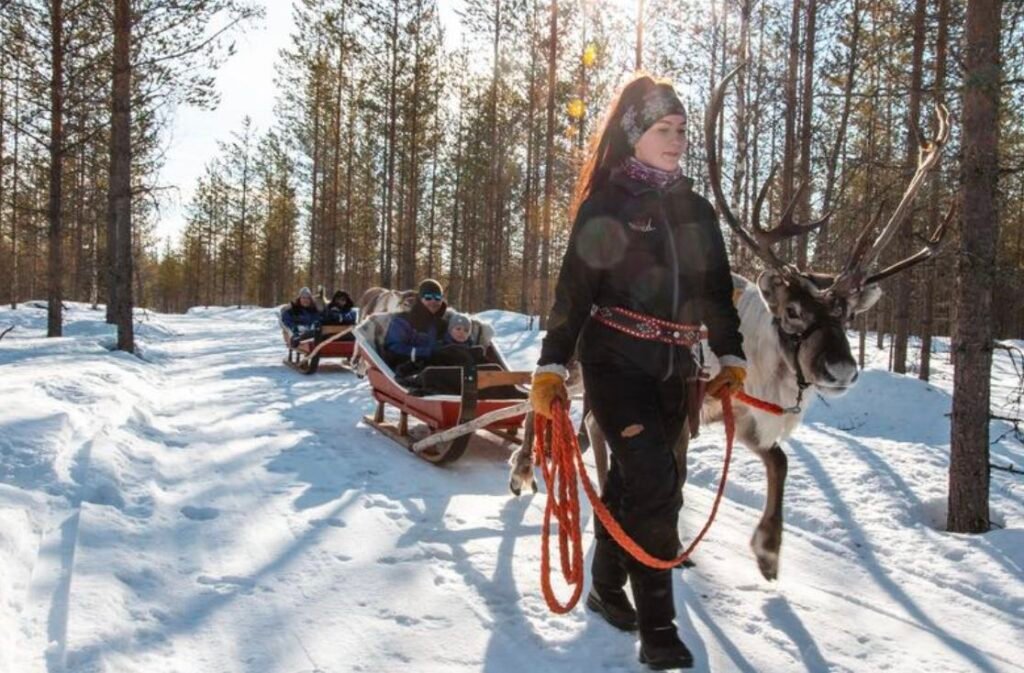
[491, 235]
[969, 466]
[742, 132]
[347, 228]
[822, 247]
[15, 177]
[901, 331]
[79, 210]
[455, 277]
[789, 148]
[408, 266]
[805, 126]
[314, 224]
[549, 165]
[529, 226]
[928, 317]
[332, 246]
[385, 272]
[4, 78]
[94, 249]
[435, 158]
[756, 119]
[120, 173]
[55, 208]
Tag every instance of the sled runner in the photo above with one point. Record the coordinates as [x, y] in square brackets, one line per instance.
[489, 399]
[306, 356]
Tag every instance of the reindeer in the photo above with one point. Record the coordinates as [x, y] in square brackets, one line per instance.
[794, 325]
[381, 300]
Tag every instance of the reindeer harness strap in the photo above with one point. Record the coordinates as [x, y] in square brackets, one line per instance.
[801, 381]
[558, 453]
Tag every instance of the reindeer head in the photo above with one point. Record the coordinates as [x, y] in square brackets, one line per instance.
[407, 299]
[812, 311]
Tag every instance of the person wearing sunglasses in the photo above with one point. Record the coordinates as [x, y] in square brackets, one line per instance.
[414, 335]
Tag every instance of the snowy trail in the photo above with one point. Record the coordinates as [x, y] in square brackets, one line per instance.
[211, 510]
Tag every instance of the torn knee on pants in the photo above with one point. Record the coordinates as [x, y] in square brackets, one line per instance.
[631, 431]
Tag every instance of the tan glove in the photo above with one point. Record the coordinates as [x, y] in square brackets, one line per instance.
[729, 381]
[545, 389]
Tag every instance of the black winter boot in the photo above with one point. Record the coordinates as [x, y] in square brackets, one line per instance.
[660, 646]
[614, 606]
[662, 649]
[607, 596]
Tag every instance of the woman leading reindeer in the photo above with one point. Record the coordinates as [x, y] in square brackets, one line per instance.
[795, 322]
[645, 265]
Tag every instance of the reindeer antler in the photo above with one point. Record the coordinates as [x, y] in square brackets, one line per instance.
[760, 239]
[931, 246]
[863, 258]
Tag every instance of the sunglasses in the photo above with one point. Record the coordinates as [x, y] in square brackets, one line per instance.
[432, 296]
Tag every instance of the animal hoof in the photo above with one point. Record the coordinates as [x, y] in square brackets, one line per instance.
[533, 485]
[766, 551]
[514, 487]
[769, 569]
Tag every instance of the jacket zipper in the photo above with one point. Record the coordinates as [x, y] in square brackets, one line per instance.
[675, 278]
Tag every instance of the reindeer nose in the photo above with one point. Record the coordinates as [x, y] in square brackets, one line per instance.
[841, 372]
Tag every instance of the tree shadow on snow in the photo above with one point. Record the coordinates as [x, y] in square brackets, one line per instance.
[870, 563]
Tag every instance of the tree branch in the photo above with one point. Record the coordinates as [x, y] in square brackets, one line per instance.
[1006, 468]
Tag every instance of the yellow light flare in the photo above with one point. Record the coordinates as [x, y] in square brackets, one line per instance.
[576, 108]
[589, 55]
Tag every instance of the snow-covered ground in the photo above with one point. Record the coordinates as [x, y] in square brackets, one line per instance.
[206, 509]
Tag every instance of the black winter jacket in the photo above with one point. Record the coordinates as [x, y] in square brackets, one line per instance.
[656, 251]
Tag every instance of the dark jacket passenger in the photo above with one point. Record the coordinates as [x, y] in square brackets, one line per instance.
[414, 334]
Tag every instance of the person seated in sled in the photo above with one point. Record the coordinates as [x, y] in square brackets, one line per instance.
[341, 311]
[457, 346]
[414, 335]
[301, 317]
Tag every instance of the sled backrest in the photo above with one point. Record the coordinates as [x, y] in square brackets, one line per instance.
[285, 332]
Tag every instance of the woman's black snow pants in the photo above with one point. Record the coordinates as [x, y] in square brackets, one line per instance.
[642, 418]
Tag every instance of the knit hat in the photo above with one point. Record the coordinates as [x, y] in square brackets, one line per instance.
[342, 298]
[659, 101]
[460, 320]
[306, 292]
[430, 286]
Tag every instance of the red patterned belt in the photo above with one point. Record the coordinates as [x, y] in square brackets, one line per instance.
[647, 327]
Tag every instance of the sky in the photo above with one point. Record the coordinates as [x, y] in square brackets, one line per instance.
[246, 84]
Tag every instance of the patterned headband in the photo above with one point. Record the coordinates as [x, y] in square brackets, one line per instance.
[659, 102]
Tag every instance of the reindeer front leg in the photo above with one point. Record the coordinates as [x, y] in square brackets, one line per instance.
[521, 474]
[767, 537]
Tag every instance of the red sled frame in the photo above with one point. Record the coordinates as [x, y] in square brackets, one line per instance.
[452, 420]
[305, 357]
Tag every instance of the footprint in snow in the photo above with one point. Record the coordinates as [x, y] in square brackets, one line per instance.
[200, 513]
[335, 523]
[227, 583]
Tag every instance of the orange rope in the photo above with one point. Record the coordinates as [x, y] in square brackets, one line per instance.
[560, 465]
[759, 403]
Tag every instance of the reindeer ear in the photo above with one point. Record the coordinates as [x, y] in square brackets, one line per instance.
[772, 288]
[866, 298]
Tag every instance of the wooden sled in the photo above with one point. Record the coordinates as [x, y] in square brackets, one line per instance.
[447, 422]
[305, 358]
